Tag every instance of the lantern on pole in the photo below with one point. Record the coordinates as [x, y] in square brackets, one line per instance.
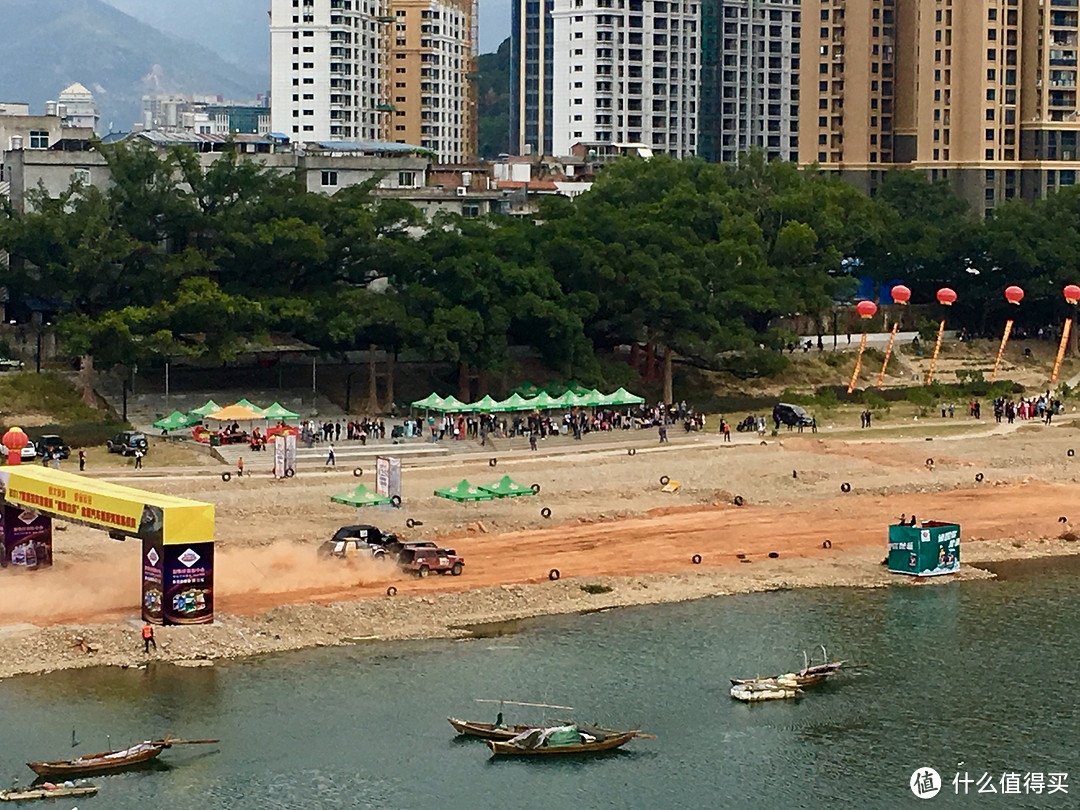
[946, 297]
[900, 295]
[866, 310]
[1072, 296]
[14, 440]
[1014, 295]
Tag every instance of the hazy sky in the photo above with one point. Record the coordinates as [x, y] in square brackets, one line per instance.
[239, 29]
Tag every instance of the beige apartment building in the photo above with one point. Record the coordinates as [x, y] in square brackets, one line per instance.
[979, 92]
[431, 73]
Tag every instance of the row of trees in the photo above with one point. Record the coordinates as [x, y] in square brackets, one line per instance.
[699, 259]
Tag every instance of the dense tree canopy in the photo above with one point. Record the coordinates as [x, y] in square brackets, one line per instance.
[702, 260]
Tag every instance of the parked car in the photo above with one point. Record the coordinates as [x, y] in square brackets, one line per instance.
[365, 532]
[28, 453]
[47, 445]
[7, 364]
[127, 442]
[784, 414]
[422, 560]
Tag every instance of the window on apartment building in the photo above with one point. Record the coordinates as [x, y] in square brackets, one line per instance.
[309, 81]
[81, 176]
[329, 178]
[309, 65]
[406, 179]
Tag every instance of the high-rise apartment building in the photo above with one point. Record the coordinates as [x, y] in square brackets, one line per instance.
[749, 98]
[532, 54]
[626, 71]
[431, 59]
[328, 69]
[979, 92]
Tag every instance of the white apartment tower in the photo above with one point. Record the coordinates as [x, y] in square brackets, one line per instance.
[328, 69]
[626, 71]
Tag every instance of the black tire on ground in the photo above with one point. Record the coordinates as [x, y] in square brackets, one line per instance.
[845, 487]
[664, 480]
[410, 523]
[391, 591]
[423, 572]
[492, 462]
[978, 477]
[226, 477]
[554, 574]
[738, 500]
[536, 488]
[1063, 519]
[1070, 452]
[456, 569]
[773, 555]
[545, 512]
[696, 559]
[826, 544]
[632, 451]
[396, 501]
[930, 463]
[290, 473]
[358, 471]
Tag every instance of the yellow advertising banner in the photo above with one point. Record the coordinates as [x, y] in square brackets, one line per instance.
[112, 507]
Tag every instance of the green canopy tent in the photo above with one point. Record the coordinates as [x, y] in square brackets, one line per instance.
[244, 403]
[514, 402]
[507, 488]
[623, 397]
[176, 421]
[361, 496]
[543, 401]
[432, 402]
[483, 405]
[207, 409]
[278, 411]
[577, 387]
[463, 491]
[568, 400]
[592, 399]
[526, 389]
[454, 405]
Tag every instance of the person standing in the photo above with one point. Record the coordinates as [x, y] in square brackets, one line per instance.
[138, 458]
[148, 637]
[330, 461]
[532, 441]
[240, 467]
[82, 460]
[727, 430]
[56, 458]
[663, 433]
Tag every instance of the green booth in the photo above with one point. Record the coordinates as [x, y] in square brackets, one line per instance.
[928, 550]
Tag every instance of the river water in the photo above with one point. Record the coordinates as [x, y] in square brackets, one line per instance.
[974, 678]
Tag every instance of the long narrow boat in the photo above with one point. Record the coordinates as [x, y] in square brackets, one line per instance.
[764, 689]
[110, 760]
[487, 731]
[593, 740]
[59, 792]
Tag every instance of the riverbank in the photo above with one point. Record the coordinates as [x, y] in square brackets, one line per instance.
[487, 611]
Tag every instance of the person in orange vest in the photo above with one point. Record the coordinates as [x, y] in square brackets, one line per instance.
[148, 637]
[240, 467]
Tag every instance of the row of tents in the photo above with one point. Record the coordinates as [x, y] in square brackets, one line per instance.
[242, 411]
[462, 491]
[543, 401]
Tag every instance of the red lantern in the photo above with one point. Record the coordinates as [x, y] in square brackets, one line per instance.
[1072, 293]
[1014, 294]
[14, 440]
[866, 309]
[901, 294]
[947, 297]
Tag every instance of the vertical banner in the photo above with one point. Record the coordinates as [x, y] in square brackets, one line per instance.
[27, 538]
[1001, 349]
[1061, 349]
[279, 456]
[858, 364]
[388, 476]
[290, 455]
[937, 351]
[187, 578]
[153, 589]
[888, 353]
[285, 455]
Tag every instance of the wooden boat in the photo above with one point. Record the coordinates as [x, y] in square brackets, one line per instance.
[110, 760]
[58, 792]
[765, 689]
[807, 676]
[602, 740]
[487, 731]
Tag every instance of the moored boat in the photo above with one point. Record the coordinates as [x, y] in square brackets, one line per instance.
[107, 761]
[487, 731]
[563, 740]
[765, 689]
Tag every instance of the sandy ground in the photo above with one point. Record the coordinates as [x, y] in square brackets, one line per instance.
[611, 525]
